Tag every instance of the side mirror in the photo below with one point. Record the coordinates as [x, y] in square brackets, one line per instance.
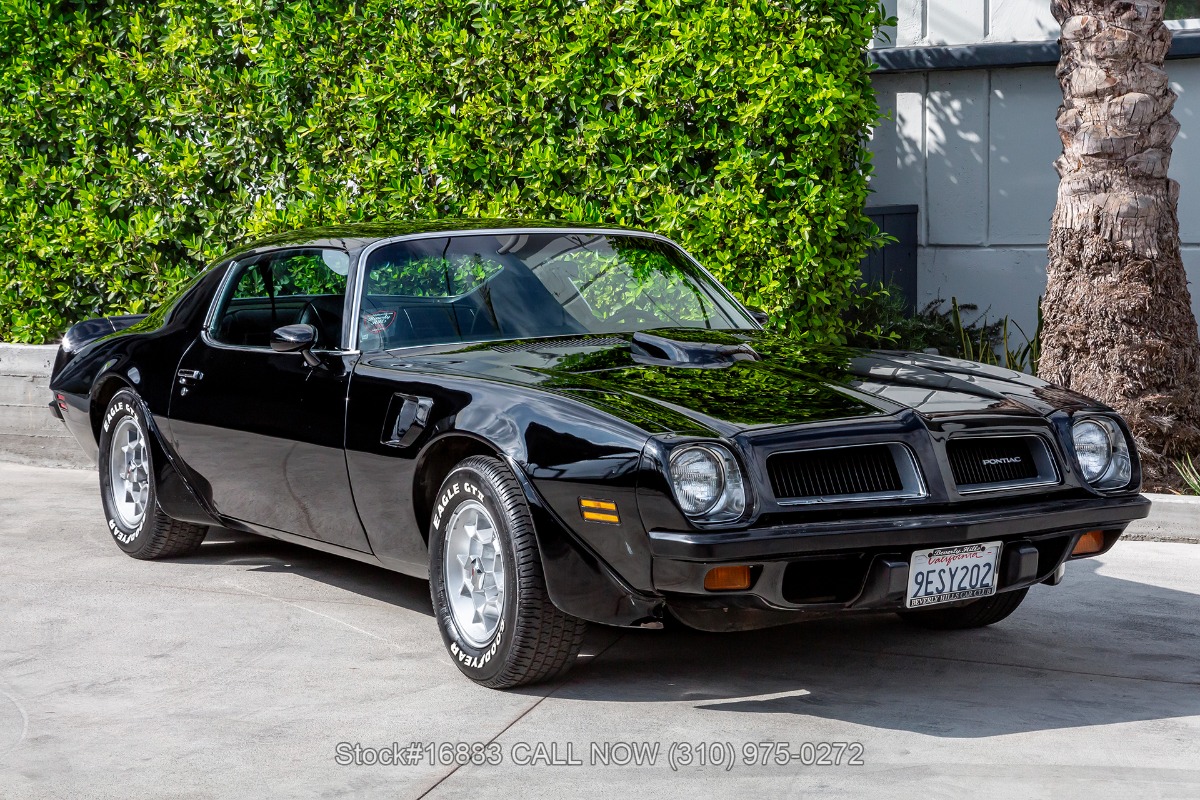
[298, 338]
[759, 316]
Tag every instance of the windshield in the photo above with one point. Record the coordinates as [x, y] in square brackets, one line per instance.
[525, 285]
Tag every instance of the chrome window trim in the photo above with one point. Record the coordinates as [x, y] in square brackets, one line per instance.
[911, 478]
[218, 296]
[361, 271]
[1031, 483]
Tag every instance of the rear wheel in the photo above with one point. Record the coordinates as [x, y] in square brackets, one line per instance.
[976, 614]
[127, 488]
[485, 578]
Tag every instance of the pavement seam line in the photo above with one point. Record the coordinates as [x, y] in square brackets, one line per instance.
[24, 719]
[388, 642]
[554, 688]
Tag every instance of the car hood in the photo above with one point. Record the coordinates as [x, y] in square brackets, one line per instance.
[695, 380]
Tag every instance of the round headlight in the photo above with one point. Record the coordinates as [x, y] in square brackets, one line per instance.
[1103, 452]
[1093, 448]
[699, 479]
[708, 482]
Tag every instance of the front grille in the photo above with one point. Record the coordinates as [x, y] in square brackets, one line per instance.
[862, 471]
[981, 463]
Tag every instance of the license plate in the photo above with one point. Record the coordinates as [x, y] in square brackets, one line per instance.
[946, 574]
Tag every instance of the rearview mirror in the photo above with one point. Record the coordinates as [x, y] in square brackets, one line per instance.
[299, 338]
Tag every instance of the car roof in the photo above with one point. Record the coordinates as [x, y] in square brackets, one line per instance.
[357, 236]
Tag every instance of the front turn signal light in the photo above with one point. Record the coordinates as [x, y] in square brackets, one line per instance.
[1090, 542]
[721, 579]
[599, 510]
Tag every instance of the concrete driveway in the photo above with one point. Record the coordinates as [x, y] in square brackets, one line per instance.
[239, 671]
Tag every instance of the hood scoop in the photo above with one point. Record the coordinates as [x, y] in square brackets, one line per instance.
[662, 351]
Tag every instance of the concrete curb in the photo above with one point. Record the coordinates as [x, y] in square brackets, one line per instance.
[29, 434]
[27, 359]
[1173, 518]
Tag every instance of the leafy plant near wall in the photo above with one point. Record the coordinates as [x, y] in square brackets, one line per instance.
[138, 140]
[880, 319]
[1182, 9]
[1190, 474]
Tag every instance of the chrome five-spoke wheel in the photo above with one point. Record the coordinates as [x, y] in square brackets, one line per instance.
[486, 581]
[129, 468]
[474, 572]
[127, 486]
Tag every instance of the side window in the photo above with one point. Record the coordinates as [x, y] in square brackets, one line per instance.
[293, 286]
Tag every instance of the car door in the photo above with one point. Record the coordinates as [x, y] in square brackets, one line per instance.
[266, 430]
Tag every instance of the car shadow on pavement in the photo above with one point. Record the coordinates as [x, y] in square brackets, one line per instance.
[1095, 651]
[223, 547]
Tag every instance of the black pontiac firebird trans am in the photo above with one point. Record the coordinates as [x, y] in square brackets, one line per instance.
[560, 424]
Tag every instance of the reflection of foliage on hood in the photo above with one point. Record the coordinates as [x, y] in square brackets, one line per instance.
[795, 381]
[641, 411]
[592, 360]
[747, 392]
[792, 378]
[703, 335]
[827, 361]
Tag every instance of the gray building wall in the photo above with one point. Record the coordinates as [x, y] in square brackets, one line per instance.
[974, 150]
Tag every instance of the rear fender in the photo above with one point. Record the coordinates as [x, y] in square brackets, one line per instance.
[181, 494]
[88, 331]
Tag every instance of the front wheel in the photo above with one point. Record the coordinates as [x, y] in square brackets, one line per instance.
[485, 578]
[127, 488]
[975, 614]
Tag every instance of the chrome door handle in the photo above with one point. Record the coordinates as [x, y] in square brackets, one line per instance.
[187, 377]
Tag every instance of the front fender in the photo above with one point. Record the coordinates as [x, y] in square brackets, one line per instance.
[578, 581]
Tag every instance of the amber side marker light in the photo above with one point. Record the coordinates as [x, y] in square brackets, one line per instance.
[599, 510]
[725, 578]
[1090, 542]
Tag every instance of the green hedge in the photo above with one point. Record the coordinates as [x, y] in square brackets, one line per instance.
[139, 140]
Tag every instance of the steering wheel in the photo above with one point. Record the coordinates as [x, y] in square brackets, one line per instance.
[311, 315]
[631, 315]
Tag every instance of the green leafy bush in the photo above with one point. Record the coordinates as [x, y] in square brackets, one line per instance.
[879, 319]
[141, 138]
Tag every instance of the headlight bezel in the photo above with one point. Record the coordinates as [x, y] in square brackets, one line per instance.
[732, 501]
[1118, 473]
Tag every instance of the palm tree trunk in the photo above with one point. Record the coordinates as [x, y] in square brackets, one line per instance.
[1118, 318]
